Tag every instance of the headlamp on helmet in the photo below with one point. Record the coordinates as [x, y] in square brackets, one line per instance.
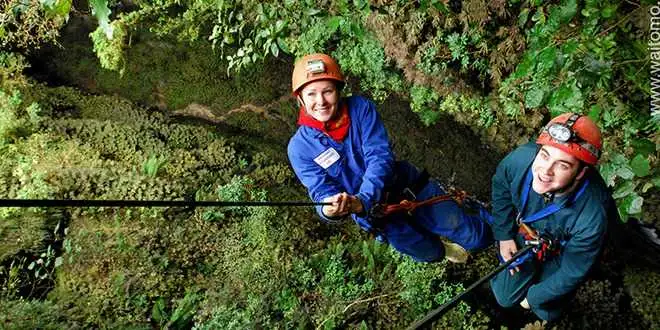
[562, 132]
[315, 66]
[581, 140]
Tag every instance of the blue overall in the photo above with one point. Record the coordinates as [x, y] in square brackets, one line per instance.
[579, 219]
[363, 165]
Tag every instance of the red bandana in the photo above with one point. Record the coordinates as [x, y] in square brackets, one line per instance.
[336, 128]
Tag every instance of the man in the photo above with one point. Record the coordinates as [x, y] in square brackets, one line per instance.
[554, 191]
[342, 155]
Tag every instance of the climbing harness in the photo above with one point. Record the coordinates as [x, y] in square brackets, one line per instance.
[549, 246]
[191, 203]
[440, 311]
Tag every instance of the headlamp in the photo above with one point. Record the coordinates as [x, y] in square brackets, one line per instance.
[315, 66]
[563, 133]
[559, 132]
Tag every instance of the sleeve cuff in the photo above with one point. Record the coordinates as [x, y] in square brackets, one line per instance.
[366, 204]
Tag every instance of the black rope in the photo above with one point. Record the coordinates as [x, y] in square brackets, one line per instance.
[139, 203]
[440, 311]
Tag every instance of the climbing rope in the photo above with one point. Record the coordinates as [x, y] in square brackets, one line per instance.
[141, 203]
[410, 206]
[440, 311]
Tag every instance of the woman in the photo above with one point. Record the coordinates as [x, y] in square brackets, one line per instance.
[342, 155]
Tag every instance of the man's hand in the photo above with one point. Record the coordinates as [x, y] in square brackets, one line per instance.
[507, 249]
[342, 204]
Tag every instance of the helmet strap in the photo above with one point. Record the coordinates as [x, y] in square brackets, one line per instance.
[300, 101]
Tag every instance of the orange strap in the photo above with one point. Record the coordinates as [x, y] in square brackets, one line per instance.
[410, 206]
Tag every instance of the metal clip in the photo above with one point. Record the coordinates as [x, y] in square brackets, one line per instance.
[410, 194]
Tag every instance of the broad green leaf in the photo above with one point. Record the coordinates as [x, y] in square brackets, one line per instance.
[624, 190]
[594, 113]
[623, 206]
[525, 66]
[48, 3]
[360, 4]
[646, 187]
[523, 17]
[608, 173]
[440, 6]
[534, 98]
[547, 57]
[62, 8]
[274, 49]
[636, 203]
[575, 102]
[619, 159]
[280, 25]
[640, 166]
[567, 11]
[333, 23]
[102, 13]
[539, 16]
[643, 146]
[158, 312]
[312, 11]
[570, 47]
[608, 11]
[625, 172]
[283, 45]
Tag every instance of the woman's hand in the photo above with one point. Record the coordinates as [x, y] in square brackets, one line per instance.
[342, 204]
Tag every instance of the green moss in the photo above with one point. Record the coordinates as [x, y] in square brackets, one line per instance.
[32, 314]
[151, 75]
[644, 287]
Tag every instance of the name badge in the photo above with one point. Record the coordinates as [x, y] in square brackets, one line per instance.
[327, 158]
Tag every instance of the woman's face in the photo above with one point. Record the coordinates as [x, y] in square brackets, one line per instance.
[320, 99]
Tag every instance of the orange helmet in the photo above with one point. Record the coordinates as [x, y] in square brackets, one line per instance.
[315, 67]
[575, 134]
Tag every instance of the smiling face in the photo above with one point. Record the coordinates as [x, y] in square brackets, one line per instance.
[320, 99]
[554, 170]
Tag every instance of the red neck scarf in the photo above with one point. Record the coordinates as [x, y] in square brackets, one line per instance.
[336, 128]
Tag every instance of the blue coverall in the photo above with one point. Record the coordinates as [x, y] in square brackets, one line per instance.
[549, 285]
[363, 165]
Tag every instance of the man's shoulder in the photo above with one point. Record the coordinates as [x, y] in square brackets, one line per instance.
[597, 191]
[521, 157]
[526, 151]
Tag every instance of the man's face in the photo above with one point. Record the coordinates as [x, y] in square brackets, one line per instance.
[320, 99]
[553, 169]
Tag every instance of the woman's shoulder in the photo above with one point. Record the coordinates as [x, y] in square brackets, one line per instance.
[358, 100]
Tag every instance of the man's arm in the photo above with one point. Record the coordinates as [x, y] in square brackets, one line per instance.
[578, 255]
[502, 201]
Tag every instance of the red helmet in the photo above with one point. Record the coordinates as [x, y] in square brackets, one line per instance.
[575, 134]
[314, 67]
